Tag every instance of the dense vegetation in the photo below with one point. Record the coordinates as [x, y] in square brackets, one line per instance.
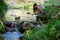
[3, 9]
[49, 32]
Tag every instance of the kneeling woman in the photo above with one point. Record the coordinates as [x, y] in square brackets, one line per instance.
[37, 10]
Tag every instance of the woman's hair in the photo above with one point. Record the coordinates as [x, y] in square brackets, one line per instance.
[34, 9]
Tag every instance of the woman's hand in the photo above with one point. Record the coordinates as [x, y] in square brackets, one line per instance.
[40, 9]
[35, 13]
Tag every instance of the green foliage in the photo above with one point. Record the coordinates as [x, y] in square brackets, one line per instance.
[2, 27]
[3, 8]
[46, 33]
[2, 30]
[50, 10]
[1, 38]
[49, 32]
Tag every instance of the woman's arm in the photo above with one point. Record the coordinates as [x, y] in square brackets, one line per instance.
[40, 9]
[35, 12]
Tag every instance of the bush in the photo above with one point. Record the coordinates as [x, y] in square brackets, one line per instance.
[49, 32]
[3, 9]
